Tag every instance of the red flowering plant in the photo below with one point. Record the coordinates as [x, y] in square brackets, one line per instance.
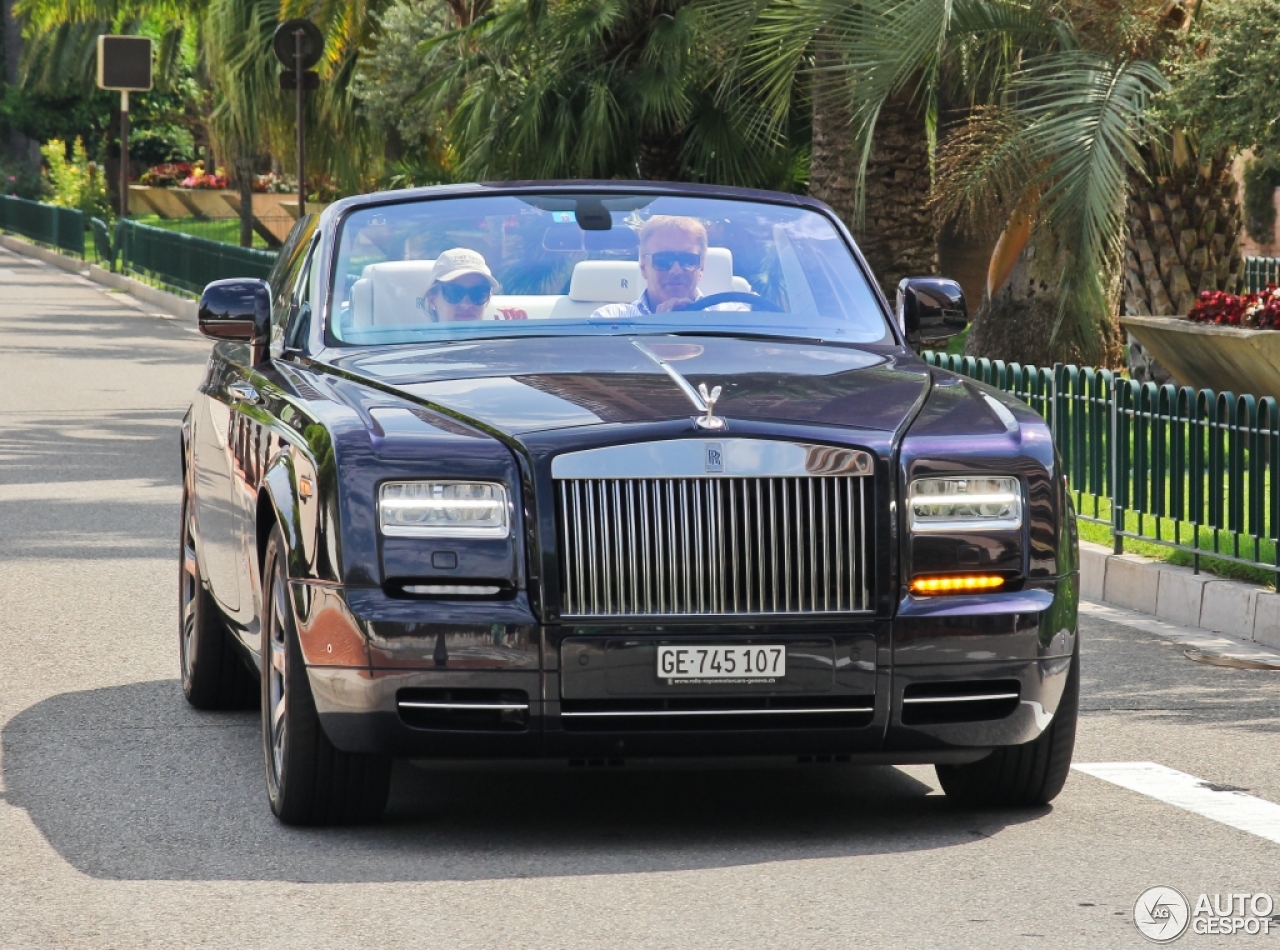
[166, 175]
[1257, 311]
[199, 178]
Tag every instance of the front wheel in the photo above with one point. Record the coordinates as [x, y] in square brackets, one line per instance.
[1025, 775]
[309, 781]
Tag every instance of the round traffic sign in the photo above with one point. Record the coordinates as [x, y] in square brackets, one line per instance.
[284, 42]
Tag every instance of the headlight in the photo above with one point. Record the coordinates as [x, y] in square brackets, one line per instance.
[965, 504]
[443, 509]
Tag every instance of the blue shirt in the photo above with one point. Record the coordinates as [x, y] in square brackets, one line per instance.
[643, 307]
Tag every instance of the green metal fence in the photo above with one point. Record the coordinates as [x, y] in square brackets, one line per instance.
[1190, 469]
[183, 261]
[1259, 272]
[61, 228]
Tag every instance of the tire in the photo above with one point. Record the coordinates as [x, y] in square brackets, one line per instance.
[309, 781]
[213, 674]
[1021, 776]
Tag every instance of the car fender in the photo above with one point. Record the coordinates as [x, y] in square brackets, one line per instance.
[280, 488]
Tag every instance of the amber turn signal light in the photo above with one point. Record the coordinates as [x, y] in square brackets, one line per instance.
[956, 584]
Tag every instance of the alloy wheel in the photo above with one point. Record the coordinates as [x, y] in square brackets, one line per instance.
[277, 683]
[188, 591]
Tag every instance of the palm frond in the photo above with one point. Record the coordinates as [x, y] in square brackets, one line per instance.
[1086, 121]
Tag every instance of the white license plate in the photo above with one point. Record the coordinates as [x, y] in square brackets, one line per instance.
[722, 663]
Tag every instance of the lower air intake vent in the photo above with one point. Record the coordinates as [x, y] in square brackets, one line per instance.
[468, 710]
[713, 714]
[973, 701]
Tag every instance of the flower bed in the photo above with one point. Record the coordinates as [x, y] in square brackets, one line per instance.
[1258, 311]
[183, 175]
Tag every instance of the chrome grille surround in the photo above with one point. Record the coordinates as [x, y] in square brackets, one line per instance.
[765, 528]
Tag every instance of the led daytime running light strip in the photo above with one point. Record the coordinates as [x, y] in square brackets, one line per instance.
[961, 498]
[956, 583]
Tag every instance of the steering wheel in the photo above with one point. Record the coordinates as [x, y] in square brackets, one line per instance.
[733, 296]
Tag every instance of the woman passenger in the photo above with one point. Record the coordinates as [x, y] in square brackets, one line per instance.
[461, 285]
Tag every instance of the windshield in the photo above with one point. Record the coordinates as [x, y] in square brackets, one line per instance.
[507, 265]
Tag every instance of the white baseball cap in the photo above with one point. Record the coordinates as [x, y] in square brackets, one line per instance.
[458, 261]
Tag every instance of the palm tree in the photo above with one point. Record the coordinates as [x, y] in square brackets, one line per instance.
[877, 74]
[1053, 134]
[600, 89]
[1056, 163]
[248, 113]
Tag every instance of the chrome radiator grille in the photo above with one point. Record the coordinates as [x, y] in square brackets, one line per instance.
[654, 546]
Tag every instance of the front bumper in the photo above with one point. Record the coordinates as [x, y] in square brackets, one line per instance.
[917, 688]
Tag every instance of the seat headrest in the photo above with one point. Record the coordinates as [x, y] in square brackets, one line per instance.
[620, 281]
[717, 271]
[606, 281]
[393, 293]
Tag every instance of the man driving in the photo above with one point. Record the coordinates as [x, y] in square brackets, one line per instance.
[673, 250]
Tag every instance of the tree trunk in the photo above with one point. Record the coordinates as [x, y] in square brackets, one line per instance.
[1017, 323]
[21, 148]
[245, 168]
[1183, 237]
[660, 156]
[898, 235]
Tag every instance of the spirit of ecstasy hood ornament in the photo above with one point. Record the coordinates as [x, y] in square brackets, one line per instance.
[702, 400]
[710, 420]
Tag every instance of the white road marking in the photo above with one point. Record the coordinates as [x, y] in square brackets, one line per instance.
[1234, 808]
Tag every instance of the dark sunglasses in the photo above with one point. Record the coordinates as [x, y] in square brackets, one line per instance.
[456, 293]
[665, 260]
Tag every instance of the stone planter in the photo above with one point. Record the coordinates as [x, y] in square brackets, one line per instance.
[1208, 356]
[207, 203]
[146, 199]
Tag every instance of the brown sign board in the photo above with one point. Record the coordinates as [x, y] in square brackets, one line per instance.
[124, 63]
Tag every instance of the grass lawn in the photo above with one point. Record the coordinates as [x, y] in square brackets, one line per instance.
[226, 230]
[1101, 534]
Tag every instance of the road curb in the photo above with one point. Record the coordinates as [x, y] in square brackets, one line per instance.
[172, 303]
[1179, 595]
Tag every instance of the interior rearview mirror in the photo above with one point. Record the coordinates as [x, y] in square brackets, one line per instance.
[930, 309]
[238, 309]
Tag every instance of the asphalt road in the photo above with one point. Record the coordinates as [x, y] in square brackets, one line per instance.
[128, 820]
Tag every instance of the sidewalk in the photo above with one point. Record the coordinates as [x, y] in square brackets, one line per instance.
[172, 303]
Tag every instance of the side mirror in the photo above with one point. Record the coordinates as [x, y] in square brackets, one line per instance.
[930, 309]
[238, 309]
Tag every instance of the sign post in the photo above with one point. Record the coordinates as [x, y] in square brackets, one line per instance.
[298, 45]
[124, 64]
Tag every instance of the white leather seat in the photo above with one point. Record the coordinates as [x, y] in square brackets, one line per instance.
[392, 293]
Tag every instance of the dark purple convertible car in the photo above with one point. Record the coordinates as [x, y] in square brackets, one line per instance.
[610, 473]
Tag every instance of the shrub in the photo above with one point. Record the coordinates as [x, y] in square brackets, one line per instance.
[23, 180]
[75, 183]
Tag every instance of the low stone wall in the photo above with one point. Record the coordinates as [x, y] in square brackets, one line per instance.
[1179, 595]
